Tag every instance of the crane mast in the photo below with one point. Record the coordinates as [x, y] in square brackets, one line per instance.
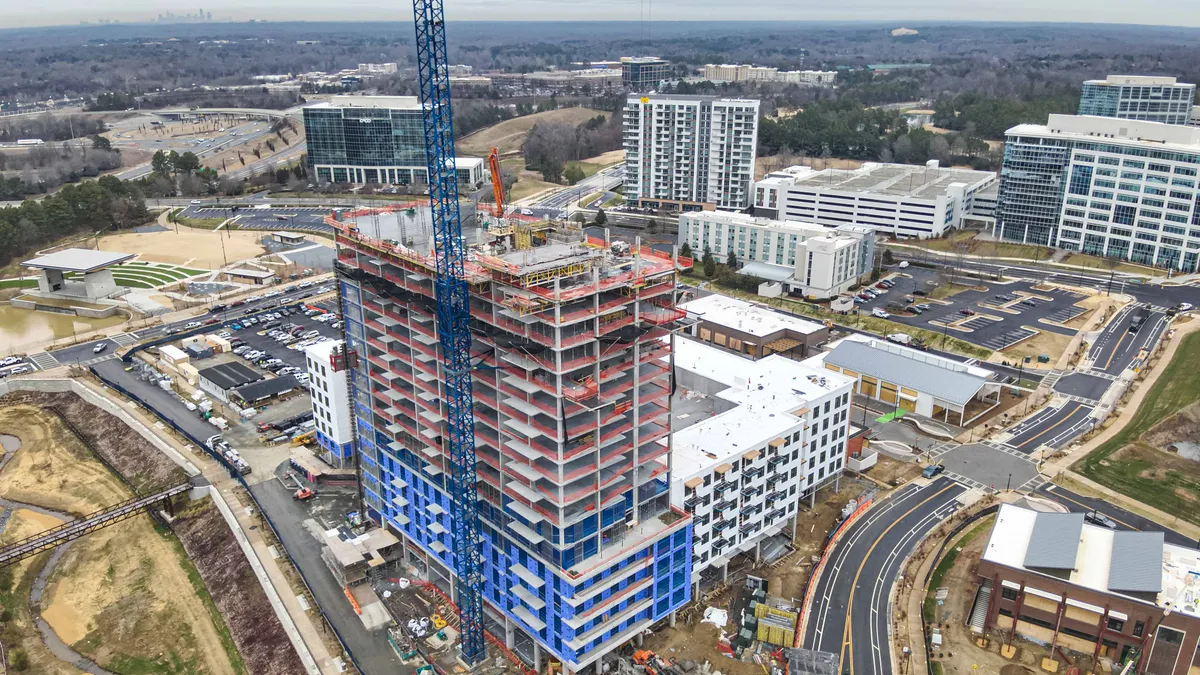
[453, 313]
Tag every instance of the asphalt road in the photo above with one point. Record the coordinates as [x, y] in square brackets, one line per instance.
[1126, 520]
[1083, 385]
[83, 353]
[1117, 348]
[371, 650]
[1051, 426]
[850, 610]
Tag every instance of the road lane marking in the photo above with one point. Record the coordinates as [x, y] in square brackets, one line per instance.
[847, 630]
[1050, 428]
[1115, 349]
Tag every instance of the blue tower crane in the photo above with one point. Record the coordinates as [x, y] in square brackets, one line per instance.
[454, 318]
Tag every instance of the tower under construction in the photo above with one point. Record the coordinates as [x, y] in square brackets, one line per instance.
[571, 382]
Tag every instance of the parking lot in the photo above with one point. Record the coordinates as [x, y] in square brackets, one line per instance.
[995, 317]
[299, 218]
[273, 348]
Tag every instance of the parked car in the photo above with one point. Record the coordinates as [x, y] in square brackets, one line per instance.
[903, 264]
[858, 300]
[1097, 518]
[932, 470]
[966, 311]
[912, 308]
[241, 350]
[1003, 297]
[924, 307]
[919, 292]
[1029, 303]
[10, 360]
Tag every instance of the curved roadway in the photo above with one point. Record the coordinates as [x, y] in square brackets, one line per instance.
[850, 613]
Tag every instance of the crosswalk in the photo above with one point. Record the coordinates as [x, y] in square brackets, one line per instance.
[44, 361]
[963, 480]
[124, 339]
[1052, 379]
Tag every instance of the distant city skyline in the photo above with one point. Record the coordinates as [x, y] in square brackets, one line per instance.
[72, 12]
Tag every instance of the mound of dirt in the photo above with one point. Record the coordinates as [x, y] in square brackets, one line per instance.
[1183, 426]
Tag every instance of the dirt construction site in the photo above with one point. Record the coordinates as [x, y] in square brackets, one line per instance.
[156, 593]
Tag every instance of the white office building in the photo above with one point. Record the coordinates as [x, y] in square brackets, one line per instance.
[899, 200]
[689, 152]
[1120, 188]
[823, 261]
[750, 440]
[726, 72]
[331, 403]
[1139, 97]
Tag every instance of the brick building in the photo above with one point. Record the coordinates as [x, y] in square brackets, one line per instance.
[1091, 590]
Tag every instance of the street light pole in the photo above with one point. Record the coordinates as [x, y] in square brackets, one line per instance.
[1008, 485]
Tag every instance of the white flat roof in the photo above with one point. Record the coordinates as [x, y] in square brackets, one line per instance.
[253, 274]
[389, 102]
[78, 260]
[746, 317]
[1113, 131]
[1103, 561]
[895, 180]
[765, 392]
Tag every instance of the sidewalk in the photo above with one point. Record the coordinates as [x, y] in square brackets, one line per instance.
[1061, 466]
[225, 486]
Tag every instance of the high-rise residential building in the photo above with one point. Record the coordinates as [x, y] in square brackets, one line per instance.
[762, 436]
[373, 139]
[900, 200]
[582, 549]
[1121, 188]
[689, 152]
[825, 261]
[329, 389]
[644, 73]
[1138, 97]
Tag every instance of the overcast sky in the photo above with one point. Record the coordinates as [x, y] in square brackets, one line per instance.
[1162, 12]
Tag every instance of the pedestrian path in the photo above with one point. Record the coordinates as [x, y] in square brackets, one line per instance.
[124, 339]
[44, 361]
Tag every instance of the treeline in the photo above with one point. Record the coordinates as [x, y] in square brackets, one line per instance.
[473, 115]
[112, 100]
[846, 129]
[44, 168]
[990, 116]
[108, 203]
[549, 147]
[50, 127]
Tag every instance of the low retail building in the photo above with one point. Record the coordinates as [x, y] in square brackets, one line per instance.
[750, 329]
[1089, 589]
[913, 380]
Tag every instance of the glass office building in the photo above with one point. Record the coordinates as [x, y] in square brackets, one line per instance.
[644, 73]
[1120, 188]
[1133, 97]
[373, 139]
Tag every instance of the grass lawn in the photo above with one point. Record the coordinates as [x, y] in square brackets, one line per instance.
[18, 283]
[199, 223]
[1130, 466]
[133, 283]
[589, 168]
[1100, 265]
[528, 186]
[872, 324]
[189, 272]
[613, 201]
[935, 580]
[947, 290]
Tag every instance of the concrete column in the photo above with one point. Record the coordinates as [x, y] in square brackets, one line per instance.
[537, 656]
[641, 638]
[758, 551]
[812, 499]
[795, 521]
[671, 620]
[510, 634]
[696, 589]
[837, 484]
[725, 571]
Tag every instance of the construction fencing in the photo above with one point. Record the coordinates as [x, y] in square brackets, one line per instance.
[811, 587]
